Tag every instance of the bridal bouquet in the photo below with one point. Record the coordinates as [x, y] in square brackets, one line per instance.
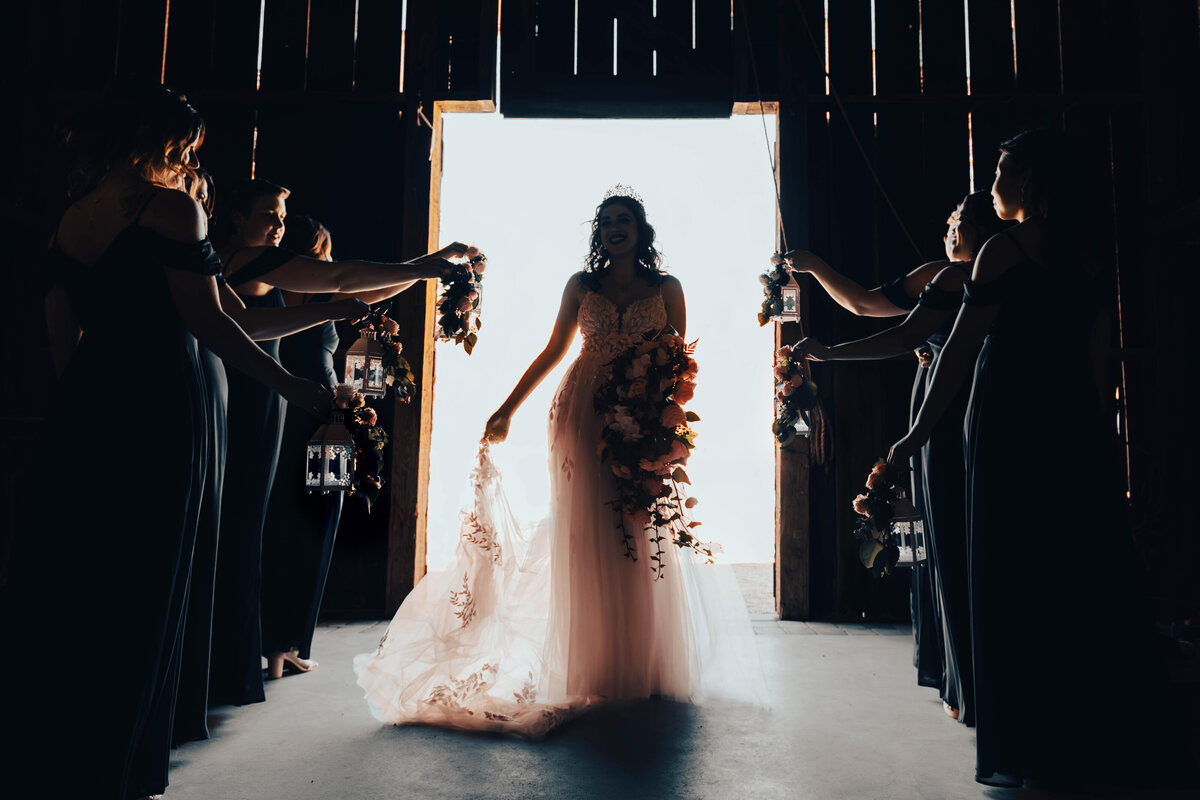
[878, 541]
[396, 371]
[795, 396]
[369, 440]
[458, 306]
[646, 439]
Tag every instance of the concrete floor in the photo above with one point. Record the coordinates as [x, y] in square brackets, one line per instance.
[847, 721]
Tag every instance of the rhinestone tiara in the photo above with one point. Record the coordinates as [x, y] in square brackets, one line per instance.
[622, 190]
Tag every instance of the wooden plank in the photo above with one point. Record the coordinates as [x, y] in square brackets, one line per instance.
[758, 80]
[850, 45]
[991, 43]
[188, 64]
[897, 47]
[285, 45]
[141, 38]
[234, 53]
[943, 30]
[1037, 46]
[331, 45]
[379, 48]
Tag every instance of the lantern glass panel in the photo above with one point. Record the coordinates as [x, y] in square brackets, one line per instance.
[339, 466]
[791, 304]
[356, 369]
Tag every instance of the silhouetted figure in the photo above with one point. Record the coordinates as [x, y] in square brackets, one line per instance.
[1070, 684]
[258, 271]
[943, 473]
[93, 610]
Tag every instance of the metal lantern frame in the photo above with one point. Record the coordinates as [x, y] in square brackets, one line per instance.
[364, 365]
[329, 458]
[909, 529]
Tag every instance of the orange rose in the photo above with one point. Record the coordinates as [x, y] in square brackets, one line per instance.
[860, 505]
[685, 390]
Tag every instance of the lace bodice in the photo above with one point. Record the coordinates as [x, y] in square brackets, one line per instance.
[608, 329]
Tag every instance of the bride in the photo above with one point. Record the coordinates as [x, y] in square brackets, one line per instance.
[525, 630]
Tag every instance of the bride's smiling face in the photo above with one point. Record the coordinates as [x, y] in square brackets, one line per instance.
[618, 230]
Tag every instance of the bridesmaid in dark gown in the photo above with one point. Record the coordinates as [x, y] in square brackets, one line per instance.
[1070, 685]
[895, 298]
[256, 269]
[943, 483]
[129, 281]
[191, 709]
[301, 528]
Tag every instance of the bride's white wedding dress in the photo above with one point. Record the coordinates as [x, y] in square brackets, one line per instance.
[521, 632]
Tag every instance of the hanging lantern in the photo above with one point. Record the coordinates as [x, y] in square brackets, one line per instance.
[909, 529]
[329, 464]
[364, 365]
[790, 295]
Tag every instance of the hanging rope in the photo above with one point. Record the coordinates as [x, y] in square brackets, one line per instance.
[818, 430]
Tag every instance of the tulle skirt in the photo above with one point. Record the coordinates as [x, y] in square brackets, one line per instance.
[528, 627]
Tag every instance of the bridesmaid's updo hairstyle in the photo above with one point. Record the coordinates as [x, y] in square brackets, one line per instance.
[647, 259]
[307, 236]
[1057, 186]
[137, 124]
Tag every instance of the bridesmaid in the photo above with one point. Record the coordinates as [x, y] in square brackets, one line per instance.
[129, 273]
[191, 708]
[895, 298]
[1070, 684]
[300, 528]
[257, 270]
[943, 486]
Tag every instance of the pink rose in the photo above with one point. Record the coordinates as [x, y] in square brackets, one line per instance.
[369, 416]
[796, 380]
[479, 267]
[685, 390]
[679, 452]
[465, 303]
[875, 479]
[390, 325]
[638, 368]
[673, 415]
[472, 251]
[764, 279]
[788, 389]
[693, 369]
[782, 373]
[784, 352]
[638, 388]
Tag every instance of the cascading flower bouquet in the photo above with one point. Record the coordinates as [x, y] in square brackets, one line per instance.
[397, 373]
[875, 531]
[646, 438]
[458, 307]
[795, 396]
[369, 441]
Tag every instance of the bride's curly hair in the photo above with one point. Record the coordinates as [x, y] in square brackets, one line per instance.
[647, 258]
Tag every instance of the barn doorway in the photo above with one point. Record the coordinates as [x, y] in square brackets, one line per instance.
[524, 191]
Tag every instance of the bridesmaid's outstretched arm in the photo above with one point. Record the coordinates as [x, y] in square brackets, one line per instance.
[921, 323]
[313, 275]
[261, 324]
[561, 337]
[854, 297]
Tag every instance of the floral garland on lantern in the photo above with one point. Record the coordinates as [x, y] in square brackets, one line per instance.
[878, 549]
[397, 373]
[795, 396]
[772, 282]
[646, 439]
[458, 307]
[369, 441]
